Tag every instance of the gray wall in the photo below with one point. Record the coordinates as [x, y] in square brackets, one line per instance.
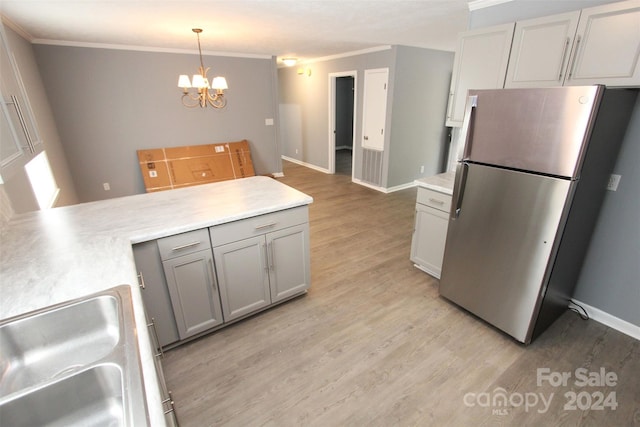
[416, 104]
[610, 278]
[420, 98]
[306, 101]
[17, 188]
[109, 103]
[609, 281]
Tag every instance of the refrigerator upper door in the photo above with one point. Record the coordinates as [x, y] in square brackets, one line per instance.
[542, 130]
[500, 240]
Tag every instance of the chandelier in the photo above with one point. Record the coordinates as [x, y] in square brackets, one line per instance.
[207, 94]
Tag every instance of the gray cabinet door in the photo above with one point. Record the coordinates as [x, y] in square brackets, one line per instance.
[155, 294]
[194, 295]
[289, 265]
[242, 275]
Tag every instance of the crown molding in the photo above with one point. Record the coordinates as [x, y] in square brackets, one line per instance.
[17, 28]
[146, 48]
[346, 54]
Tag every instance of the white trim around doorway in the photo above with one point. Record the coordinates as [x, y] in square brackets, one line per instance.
[332, 118]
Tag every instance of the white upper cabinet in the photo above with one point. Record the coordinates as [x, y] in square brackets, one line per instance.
[480, 63]
[597, 45]
[540, 51]
[607, 46]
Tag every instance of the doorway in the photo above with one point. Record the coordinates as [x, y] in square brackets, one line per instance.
[342, 92]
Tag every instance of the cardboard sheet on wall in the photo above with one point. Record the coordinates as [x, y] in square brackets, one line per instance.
[175, 167]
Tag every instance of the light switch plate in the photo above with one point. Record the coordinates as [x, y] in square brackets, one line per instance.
[614, 180]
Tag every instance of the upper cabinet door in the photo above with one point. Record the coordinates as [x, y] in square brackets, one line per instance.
[607, 46]
[540, 51]
[480, 63]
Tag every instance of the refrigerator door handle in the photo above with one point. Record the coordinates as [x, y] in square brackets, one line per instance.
[458, 189]
[465, 132]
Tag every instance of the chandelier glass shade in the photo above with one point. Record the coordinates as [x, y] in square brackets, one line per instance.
[204, 93]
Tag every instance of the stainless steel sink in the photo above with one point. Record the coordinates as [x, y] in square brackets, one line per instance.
[73, 364]
[90, 398]
[49, 343]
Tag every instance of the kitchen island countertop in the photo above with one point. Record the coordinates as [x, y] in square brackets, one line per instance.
[55, 255]
[442, 182]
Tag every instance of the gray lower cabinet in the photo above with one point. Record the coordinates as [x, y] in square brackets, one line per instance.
[289, 269]
[262, 270]
[195, 281]
[155, 294]
[242, 275]
[194, 294]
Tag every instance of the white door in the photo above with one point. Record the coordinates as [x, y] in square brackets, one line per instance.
[480, 63]
[540, 50]
[374, 111]
[607, 46]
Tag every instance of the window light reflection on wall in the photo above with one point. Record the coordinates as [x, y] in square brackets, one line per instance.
[42, 181]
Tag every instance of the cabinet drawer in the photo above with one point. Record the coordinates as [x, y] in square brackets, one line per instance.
[434, 199]
[185, 243]
[243, 229]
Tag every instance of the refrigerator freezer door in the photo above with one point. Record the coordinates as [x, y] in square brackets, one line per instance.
[541, 130]
[500, 243]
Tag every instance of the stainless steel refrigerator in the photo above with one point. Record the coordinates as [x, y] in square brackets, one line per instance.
[527, 193]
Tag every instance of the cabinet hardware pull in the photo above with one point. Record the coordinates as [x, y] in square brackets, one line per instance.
[575, 58]
[141, 280]
[188, 245]
[564, 55]
[270, 246]
[266, 254]
[159, 352]
[432, 200]
[213, 275]
[259, 227]
[23, 123]
[171, 403]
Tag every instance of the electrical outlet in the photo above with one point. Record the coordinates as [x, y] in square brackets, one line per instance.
[422, 169]
[106, 186]
[614, 180]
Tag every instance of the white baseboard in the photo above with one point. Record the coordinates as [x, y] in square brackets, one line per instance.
[401, 187]
[354, 180]
[277, 174]
[308, 165]
[611, 321]
[366, 184]
[385, 190]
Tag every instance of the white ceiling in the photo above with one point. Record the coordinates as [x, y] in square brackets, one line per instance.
[299, 28]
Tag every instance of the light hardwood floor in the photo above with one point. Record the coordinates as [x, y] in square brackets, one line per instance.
[372, 343]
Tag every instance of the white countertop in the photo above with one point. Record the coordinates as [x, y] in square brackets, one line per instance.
[442, 182]
[51, 256]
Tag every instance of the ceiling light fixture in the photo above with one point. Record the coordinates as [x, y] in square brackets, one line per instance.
[289, 62]
[204, 96]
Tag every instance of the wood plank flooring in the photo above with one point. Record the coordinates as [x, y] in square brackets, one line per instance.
[372, 343]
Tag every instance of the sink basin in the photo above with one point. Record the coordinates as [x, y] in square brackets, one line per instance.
[47, 344]
[73, 364]
[90, 398]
